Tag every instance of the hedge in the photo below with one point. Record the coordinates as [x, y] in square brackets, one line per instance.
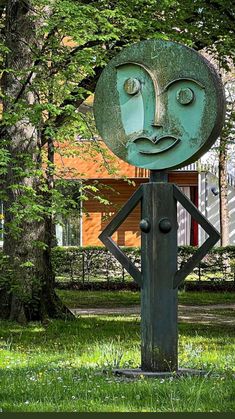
[89, 265]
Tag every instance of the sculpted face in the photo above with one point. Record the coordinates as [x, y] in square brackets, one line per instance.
[159, 105]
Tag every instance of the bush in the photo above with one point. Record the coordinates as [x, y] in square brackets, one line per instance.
[84, 264]
[84, 267]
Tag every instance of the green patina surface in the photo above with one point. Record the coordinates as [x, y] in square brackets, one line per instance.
[159, 104]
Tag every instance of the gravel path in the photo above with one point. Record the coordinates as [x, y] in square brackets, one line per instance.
[189, 314]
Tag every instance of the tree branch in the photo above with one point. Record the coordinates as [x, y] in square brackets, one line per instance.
[88, 44]
[89, 84]
[226, 12]
[36, 63]
[67, 61]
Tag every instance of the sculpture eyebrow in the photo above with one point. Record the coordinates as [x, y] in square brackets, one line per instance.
[182, 79]
[148, 71]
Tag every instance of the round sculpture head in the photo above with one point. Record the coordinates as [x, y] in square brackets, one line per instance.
[159, 105]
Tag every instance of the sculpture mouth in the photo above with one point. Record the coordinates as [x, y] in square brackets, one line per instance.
[159, 145]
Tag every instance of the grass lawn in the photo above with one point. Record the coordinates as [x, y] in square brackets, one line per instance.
[84, 299]
[60, 367]
[66, 366]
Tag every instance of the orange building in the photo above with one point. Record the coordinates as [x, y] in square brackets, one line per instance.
[90, 168]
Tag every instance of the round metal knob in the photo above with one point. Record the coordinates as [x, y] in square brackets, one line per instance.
[145, 225]
[185, 96]
[165, 225]
[132, 86]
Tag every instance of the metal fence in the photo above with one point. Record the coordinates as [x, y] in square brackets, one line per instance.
[83, 265]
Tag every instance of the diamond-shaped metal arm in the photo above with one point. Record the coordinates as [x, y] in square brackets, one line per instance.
[106, 234]
[213, 234]
[181, 274]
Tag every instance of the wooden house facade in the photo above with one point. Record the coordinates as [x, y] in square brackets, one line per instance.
[117, 189]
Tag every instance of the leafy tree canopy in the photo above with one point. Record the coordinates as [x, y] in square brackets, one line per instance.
[52, 53]
[75, 39]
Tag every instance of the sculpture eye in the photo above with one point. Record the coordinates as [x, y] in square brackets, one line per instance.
[185, 96]
[132, 86]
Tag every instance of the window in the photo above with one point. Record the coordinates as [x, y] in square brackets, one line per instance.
[68, 231]
[68, 228]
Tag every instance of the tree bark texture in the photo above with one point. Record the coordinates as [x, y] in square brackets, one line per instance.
[223, 187]
[27, 282]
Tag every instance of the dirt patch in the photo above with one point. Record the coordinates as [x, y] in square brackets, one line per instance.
[187, 314]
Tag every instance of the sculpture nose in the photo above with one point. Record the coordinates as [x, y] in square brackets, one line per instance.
[157, 125]
[158, 115]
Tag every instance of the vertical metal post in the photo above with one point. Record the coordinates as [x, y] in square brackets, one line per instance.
[158, 176]
[159, 328]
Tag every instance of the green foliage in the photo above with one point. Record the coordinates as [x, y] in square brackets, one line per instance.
[113, 299]
[69, 50]
[99, 299]
[95, 263]
[4, 161]
[47, 72]
[13, 277]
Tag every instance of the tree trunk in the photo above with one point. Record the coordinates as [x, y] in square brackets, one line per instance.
[223, 186]
[27, 280]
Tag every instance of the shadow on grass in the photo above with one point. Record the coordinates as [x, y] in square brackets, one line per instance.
[207, 330]
[60, 368]
[67, 335]
[83, 331]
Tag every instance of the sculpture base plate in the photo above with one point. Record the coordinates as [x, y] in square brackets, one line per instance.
[135, 373]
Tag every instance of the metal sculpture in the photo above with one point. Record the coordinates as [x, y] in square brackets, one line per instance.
[159, 105]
